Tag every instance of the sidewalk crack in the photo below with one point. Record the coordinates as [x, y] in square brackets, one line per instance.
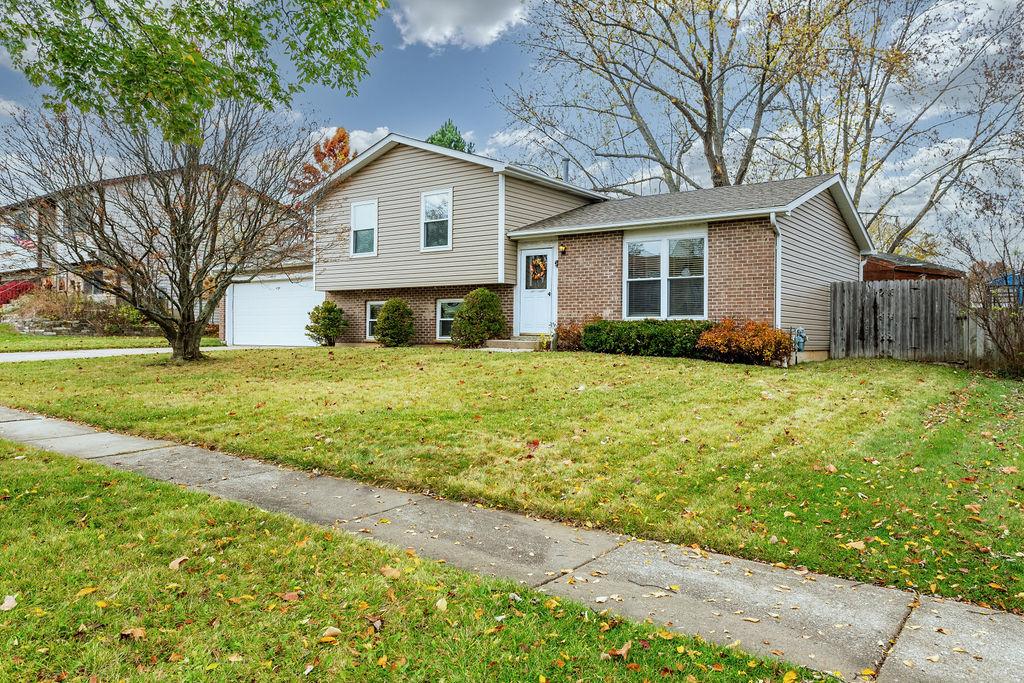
[580, 565]
[896, 636]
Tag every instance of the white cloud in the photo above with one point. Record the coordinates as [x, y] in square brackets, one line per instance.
[9, 107]
[361, 140]
[508, 143]
[463, 23]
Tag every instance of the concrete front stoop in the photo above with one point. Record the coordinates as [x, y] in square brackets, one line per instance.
[852, 629]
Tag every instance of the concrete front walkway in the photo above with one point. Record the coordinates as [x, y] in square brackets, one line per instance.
[844, 627]
[25, 356]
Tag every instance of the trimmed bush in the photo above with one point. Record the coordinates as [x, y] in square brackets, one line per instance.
[478, 319]
[394, 323]
[746, 342]
[569, 334]
[675, 338]
[327, 322]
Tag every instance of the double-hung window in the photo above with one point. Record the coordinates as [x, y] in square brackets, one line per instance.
[363, 240]
[445, 315]
[372, 310]
[666, 276]
[436, 220]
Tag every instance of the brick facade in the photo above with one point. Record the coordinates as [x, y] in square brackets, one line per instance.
[590, 276]
[741, 273]
[423, 301]
[741, 270]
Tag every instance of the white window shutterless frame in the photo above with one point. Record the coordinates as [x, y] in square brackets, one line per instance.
[363, 237]
[436, 220]
[665, 275]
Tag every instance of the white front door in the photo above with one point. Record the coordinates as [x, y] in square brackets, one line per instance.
[536, 304]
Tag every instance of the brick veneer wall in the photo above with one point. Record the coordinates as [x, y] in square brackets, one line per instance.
[423, 301]
[741, 270]
[741, 273]
[590, 276]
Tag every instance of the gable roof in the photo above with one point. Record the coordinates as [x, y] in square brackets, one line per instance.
[694, 206]
[393, 140]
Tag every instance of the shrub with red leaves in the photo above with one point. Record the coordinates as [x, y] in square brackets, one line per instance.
[569, 334]
[746, 341]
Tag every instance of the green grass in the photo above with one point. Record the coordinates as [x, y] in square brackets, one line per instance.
[86, 551]
[895, 473]
[12, 340]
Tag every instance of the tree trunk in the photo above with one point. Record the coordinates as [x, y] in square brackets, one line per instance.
[185, 344]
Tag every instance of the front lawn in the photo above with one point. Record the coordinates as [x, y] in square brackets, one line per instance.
[895, 473]
[12, 340]
[92, 561]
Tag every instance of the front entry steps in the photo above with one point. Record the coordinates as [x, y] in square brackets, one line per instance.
[523, 342]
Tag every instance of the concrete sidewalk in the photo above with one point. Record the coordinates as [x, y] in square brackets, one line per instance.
[822, 622]
[27, 356]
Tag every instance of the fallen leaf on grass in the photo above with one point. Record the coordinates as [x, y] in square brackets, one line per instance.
[856, 545]
[290, 596]
[1009, 470]
[441, 605]
[8, 604]
[390, 572]
[176, 563]
[622, 651]
[86, 591]
[136, 633]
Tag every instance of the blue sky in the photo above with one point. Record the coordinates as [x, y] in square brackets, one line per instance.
[440, 59]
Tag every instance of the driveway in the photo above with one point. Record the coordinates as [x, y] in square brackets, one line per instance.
[24, 356]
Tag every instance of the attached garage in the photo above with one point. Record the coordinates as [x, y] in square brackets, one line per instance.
[271, 311]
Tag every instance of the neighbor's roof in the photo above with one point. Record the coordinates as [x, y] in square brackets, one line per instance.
[393, 140]
[694, 206]
[901, 261]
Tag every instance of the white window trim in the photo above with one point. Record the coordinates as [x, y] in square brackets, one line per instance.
[352, 227]
[367, 326]
[437, 317]
[423, 218]
[662, 236]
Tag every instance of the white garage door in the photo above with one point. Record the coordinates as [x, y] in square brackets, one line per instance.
[272, 312]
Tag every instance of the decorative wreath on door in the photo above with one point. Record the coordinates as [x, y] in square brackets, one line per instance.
[538, 268]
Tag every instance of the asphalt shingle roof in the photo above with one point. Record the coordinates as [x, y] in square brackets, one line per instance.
[753, 197]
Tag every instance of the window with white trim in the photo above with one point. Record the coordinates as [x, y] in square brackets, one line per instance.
[666, 277]
[372, 310]
[436, 220]
[363, 240]
[445, 315]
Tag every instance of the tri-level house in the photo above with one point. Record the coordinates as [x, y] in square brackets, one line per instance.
[428, 224]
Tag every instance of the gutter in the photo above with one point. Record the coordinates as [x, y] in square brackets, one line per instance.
[652, 223]
[778, 269]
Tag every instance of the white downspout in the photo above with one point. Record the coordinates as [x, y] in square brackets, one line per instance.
[778, 270]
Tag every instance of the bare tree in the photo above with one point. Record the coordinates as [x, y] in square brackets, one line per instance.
[987, 229]
[164, 227]
[901, 97]
[910, 97]
[628, 90]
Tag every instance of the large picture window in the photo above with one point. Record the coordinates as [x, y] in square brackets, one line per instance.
[364, 228]
[666, 276]
[436, 220]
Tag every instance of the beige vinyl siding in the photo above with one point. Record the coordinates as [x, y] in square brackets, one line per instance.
[817, 250]
[526, 203]
[396, 180]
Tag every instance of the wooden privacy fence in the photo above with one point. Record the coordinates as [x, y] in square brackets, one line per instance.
[907, 319]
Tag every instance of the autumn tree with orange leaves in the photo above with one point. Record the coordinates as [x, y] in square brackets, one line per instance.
[328, 156]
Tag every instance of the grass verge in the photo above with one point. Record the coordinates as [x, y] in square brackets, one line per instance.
[91, 557]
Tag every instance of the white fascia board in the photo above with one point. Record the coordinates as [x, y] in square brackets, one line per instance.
[541, 179]
[392, 139]
[645, 223]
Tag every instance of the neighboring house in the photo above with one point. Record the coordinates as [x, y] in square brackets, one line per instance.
[897, 267]
[270, 310]
[428, 224]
